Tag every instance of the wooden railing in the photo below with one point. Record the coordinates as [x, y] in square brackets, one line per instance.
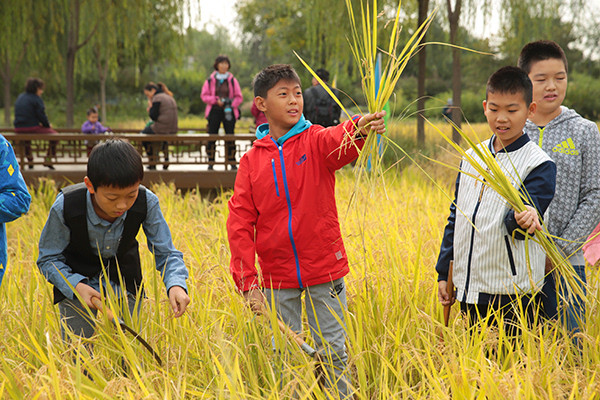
[192, 160]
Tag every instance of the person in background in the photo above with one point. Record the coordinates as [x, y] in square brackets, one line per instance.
[14, 197]
[259, 116]
[222, 94]
[30, 117]
[447, 110]
[92, 127]
[320, 108]
[162, 109]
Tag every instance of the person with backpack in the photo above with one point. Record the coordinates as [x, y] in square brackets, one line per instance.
[222, 94]
[320, 108]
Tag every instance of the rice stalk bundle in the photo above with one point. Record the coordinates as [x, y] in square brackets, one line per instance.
[364, 47]
[490, 174]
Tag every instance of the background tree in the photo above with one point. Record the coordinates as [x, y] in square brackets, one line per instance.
[20, 23]
[453, 19]
[423, 12]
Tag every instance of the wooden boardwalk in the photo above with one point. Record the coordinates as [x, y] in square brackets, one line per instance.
[188, 165]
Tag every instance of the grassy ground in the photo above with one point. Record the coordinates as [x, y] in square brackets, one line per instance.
[397, 344]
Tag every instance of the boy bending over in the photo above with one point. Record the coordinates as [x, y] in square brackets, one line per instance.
[94, 224]
[283, 210]
[490, 268]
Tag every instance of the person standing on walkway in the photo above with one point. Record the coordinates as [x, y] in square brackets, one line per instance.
[30, 117]
[222, 94]
[162, 110]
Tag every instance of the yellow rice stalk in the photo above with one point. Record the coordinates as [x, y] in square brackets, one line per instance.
[491, 175]
[364, 46]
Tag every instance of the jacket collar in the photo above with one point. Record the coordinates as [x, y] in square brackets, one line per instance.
[516, 145]
[302, 125]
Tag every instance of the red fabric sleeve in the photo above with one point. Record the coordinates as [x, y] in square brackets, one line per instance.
[339, 145]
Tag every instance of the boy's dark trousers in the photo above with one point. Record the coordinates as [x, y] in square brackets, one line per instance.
[508, 307]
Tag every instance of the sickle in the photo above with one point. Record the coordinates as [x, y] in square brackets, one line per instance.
[98, 304]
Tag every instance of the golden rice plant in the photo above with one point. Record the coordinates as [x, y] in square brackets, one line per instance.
[364, 43]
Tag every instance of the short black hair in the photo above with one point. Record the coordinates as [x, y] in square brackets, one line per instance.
[323, 74]
[540, 51]
[511, 80]
[92, 110]
[33, 84]
[220, 59]
[115, 163]
[269, 76]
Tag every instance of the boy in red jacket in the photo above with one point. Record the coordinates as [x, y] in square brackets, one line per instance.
[283, 210]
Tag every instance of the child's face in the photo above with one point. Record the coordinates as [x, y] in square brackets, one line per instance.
[506, 115]
[283, 105]
[93, 118]
[111, 202]
[549, 78]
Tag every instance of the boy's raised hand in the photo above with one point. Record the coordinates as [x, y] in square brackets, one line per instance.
[86, 292]
[528, 220]
[374, 121]
[179, 300]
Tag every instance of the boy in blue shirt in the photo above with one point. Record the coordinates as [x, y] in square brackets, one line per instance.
[93, 225]
[14, 197]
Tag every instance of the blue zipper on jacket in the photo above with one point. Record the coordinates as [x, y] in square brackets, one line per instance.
[289, 204]
[275, 176]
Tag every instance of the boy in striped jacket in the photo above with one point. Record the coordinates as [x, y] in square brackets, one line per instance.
[490, 259]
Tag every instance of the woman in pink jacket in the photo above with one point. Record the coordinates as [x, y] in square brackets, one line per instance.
[222, 94]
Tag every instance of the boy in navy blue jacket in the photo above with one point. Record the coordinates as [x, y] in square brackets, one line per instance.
[491, 269]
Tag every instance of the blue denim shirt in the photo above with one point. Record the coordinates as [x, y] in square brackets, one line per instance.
[104, 238]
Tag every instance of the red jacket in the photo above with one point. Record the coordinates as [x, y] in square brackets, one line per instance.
[283, 209]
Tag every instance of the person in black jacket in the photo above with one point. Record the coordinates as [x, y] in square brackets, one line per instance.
[30, 117]
[319, 106]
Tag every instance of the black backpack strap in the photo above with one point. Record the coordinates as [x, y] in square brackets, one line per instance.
[135, 216]
[75, 214]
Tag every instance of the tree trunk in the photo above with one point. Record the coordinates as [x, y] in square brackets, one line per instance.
[6, 78]
[453, 18]
[423, 8]
[7, 120]
[72, 39]
[103, 98]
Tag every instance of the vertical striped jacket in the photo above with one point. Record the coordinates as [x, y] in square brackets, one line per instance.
[488, 260]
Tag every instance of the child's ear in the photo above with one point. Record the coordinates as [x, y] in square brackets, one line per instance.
[261, 103]
[88, 185]
[484, 106]
[532, 109]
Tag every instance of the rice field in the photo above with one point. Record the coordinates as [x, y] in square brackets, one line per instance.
[398, 346]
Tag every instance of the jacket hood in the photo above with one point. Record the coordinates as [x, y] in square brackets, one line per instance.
[302, 125]
[565, 115]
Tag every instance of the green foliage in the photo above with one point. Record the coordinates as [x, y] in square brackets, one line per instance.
[583, 95]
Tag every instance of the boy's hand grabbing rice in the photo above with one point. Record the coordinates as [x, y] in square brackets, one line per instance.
[528, 220]
[372, 122]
